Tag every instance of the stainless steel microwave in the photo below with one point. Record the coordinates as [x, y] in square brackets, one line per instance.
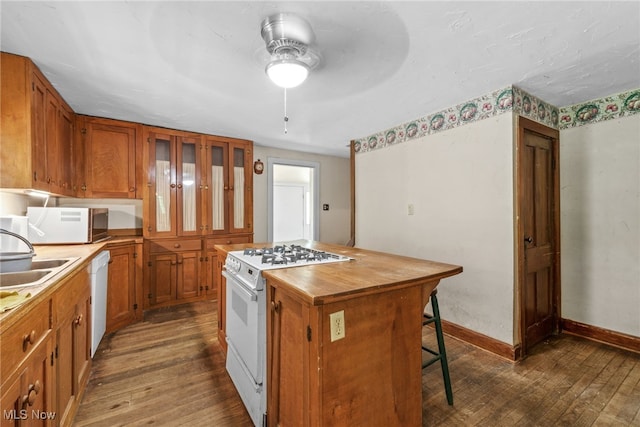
[67, 225]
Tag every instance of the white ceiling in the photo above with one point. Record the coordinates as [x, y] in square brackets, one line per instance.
[199, 65]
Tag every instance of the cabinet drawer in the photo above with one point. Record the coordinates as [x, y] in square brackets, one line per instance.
[174, 245]
[229, 240]
[24, 336]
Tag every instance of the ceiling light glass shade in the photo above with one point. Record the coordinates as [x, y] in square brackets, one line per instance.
[287, 73]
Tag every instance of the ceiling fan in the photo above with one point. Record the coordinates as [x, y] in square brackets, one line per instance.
[289, 41]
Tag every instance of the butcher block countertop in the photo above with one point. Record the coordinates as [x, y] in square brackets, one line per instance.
[84, 254]
[368, 272]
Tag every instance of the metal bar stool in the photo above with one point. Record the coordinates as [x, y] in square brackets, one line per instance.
[441, 354]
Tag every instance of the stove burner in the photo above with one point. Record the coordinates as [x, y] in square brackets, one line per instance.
[290, 254]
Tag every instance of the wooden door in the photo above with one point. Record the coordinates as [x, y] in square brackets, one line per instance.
[121, 295]
[538, 232]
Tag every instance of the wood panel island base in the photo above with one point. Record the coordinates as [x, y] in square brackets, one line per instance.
[371, 372]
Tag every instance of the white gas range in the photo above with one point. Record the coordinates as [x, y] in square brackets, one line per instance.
[246, 315]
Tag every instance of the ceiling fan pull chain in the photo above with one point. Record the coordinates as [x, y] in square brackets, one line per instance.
[286, 119]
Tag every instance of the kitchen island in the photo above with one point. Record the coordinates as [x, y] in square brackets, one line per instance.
[368, 371]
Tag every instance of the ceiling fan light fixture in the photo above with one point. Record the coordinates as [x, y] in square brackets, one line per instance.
[287, 73]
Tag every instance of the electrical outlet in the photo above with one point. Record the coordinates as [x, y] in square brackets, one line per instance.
[337, 325]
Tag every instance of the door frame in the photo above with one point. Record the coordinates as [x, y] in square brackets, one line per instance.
[523, 124]
[315, 196]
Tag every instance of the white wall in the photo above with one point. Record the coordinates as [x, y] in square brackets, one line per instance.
[334, 190]
[460, 182]
[600, 219]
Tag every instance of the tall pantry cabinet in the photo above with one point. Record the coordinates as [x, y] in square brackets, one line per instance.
[199, 192]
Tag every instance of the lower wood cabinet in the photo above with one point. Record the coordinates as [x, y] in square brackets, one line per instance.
[371, 376]
[124, 289]
[179, 270]
[26, 394]
[73, 344]
[173, 271]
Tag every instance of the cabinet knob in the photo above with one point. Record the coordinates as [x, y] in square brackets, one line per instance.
[231, 188]
[172, 186]
[29, 399]
[206, 187]
[176, 245]
[179, 185]
[132, 189]
[78, 320]
[226, 188]
[27, 339]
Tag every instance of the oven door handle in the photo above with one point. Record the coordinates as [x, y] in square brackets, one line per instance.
[234, 280]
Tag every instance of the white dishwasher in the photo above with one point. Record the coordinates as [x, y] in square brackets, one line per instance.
[99, 270]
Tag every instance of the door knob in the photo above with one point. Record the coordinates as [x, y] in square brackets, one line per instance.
[528, 239]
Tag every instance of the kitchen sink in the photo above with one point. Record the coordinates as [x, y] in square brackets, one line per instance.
[22, 278]
[48, 263]
[41, 271]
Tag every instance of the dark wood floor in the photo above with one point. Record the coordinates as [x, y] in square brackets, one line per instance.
[169, 371]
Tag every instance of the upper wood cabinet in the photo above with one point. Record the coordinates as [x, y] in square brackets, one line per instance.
[197, 184]
[173, 205]
[36, 130]
[110, 149]
[228, 183]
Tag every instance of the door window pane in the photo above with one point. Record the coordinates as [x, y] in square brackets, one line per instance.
[217, 188]
[188, 187]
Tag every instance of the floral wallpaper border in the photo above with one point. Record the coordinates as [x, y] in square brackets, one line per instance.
[511, 98]
[598, 110]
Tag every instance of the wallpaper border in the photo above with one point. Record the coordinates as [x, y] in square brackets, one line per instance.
[511, 98]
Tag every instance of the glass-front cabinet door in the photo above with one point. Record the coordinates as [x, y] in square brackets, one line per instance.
[240, 188]
[162, 185]
[228, 186]
[188, 186]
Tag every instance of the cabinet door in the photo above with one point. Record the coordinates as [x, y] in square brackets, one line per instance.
[12, 403]
[121, 290]
[189, 218]
[162, 186]
[212, 274]
[64, 145]
[38, 137]
[64, 368]
[228, 183]
[110, 159]
[52, 107]
[188, 284]
[240, 195]
[162, 277]
[37, 383]
[287, 360]
[222, 309]
[216, 185]
[82, 343]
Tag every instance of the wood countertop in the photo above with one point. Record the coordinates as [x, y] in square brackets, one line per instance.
[368, 272]
[84, 254]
